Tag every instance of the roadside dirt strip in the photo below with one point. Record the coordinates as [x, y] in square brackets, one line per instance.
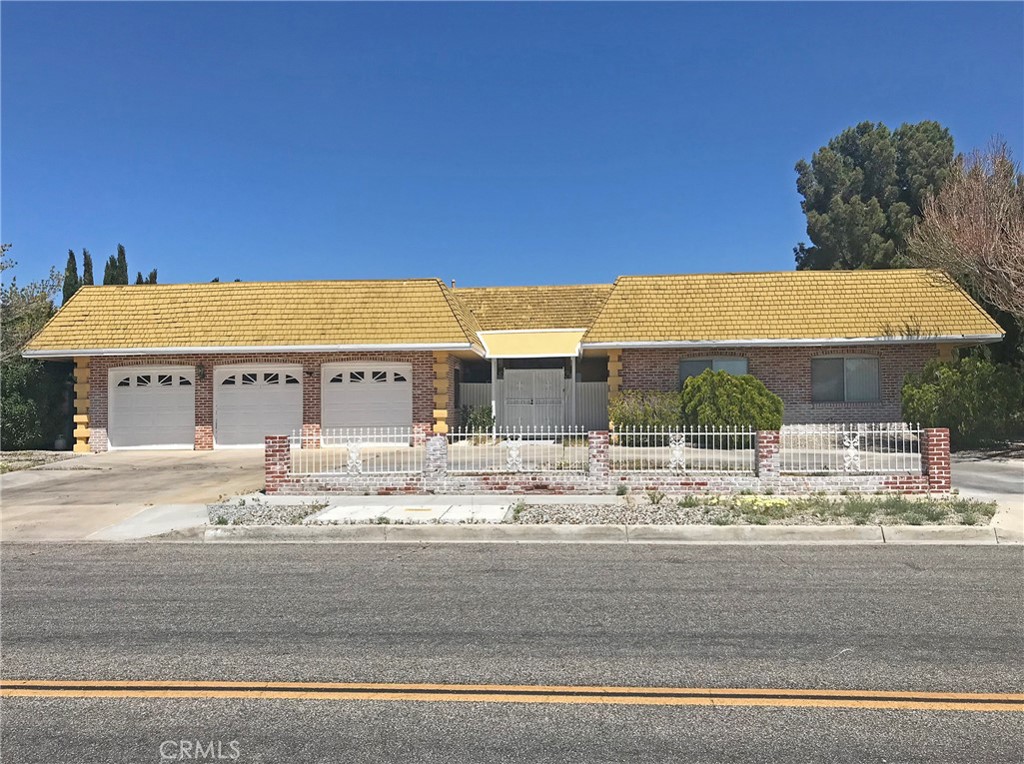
[666, 696]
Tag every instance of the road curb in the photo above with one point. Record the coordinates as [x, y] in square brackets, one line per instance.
[605, 534]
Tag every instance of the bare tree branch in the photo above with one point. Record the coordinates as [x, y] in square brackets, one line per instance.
[973, 229]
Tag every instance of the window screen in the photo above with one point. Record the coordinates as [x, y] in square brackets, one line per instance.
[692, 368]
[844, 379]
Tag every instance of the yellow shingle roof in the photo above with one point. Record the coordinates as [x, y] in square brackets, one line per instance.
[248, 314]
[804, 305]
[534, 307]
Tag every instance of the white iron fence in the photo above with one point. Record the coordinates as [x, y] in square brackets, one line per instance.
[560, 450]
[687, 449]
[864, 448]
[358, 451]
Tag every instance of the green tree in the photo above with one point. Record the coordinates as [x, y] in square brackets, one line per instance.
[110, 271]
[31, 392]
[122, 265]
[86, 268]
[864, 192]
[71, 280]
[139, 279]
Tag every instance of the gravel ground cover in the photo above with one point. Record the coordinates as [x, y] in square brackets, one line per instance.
[256, 512]
[11, 461]
[763, 510]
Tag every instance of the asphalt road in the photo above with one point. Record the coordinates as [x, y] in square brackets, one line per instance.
[866, 618]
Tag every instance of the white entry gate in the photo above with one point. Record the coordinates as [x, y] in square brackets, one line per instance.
[534, 398]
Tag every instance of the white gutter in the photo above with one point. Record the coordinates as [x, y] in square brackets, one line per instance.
[245, 349]
[669, 344]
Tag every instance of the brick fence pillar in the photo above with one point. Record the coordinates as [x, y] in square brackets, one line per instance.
[768, 447]
[597, 458]
[935, 459]
[311, 435]
[277, 460]
[435, 463]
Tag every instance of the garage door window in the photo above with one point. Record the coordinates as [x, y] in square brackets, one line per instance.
[375, 376]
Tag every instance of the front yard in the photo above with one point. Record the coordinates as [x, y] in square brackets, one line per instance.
[654, 508]
[12, 461]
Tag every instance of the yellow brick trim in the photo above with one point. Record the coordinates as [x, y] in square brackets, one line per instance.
[81, 417]
[441, 428]
[441, 370]
[441, 401]
[441, 356]
[440, 413]
[947, 352]
[440, 385]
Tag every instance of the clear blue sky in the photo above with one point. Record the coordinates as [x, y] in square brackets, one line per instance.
[493, 144]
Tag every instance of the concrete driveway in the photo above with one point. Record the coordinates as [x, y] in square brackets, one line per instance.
[999, 479]
[68, 500]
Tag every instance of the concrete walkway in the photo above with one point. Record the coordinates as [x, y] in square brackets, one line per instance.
[994, 479]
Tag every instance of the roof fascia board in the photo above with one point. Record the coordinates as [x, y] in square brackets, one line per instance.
[487, 332]
[246, 349]
[668, 344]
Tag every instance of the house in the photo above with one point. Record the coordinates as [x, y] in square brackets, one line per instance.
[224, 364]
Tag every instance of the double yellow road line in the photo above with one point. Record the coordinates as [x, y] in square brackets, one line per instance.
[496, 693]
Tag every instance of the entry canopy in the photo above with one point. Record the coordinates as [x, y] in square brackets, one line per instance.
[542, 343]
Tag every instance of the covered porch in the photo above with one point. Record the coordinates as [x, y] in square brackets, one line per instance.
[537, 381]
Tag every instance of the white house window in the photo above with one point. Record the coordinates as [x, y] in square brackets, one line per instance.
[844, 379]
[694, 367]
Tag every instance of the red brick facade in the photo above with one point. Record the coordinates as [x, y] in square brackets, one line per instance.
[422, 385]
[786, 371]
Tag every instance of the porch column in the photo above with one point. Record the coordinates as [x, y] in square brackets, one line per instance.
[614, 376]
[81, 415]
[441, 384]
[494, 395]
[572, 394]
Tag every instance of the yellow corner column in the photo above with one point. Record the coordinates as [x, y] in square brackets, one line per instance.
[441, 383]
[614, 377]
[81, 432]
[947, 352]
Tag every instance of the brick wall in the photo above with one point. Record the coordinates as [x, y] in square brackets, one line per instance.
[422, 385]
[787, 373]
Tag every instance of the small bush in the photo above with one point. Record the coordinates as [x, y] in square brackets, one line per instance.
[655, 497]
[476, 418]
[622, 489]
[644, 408]
[720, 399]
[978, 401]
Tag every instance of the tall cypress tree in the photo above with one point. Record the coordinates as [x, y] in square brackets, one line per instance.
[138, 279]
[122, 264]
[71, 282]
[151, 278]
[110, 275]
[86, 268]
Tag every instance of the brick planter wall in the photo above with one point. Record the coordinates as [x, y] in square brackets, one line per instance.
[786, 371]
[599, 478]
[422, 386]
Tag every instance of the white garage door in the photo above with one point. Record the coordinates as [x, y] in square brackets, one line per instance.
[152, 407]
[252, 402]
[366, 395]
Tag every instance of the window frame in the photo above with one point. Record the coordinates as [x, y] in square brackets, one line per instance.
[711, 360]
[846, 395]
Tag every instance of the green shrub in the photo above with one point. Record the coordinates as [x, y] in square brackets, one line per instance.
[31, 404]
[978, 401]
[476, 419]
[720, 399]
[647, 409]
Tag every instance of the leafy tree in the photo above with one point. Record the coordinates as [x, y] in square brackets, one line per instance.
[151, 278]
[865, 190]
[122, 265]
[979, 401]
[139, 279]
[974, 228]
[71, 280]
[86, 268]
[110, 275]
[31, 392]
[721, 399]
